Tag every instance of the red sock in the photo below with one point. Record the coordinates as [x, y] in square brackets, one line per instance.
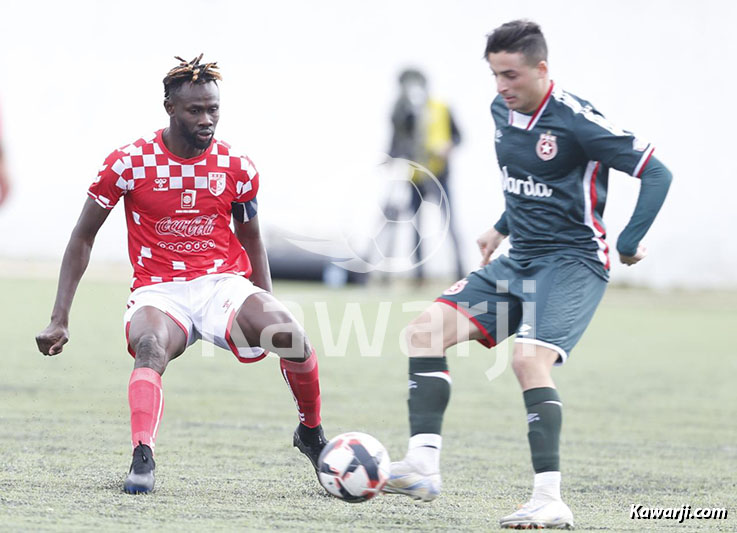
[146, 400]
[304, 382]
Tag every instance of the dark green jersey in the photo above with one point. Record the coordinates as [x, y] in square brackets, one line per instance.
[555, 168]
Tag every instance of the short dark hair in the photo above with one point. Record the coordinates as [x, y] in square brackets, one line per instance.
[189, 71]
[412, 74]
[518, 36]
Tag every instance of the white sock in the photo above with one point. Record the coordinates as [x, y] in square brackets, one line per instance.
[547, 486]
[424, 452]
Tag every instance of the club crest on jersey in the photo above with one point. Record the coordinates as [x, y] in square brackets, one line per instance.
[547, 147]
[457, 287]
[216, 182]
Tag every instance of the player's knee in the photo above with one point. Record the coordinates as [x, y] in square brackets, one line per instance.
[287, 338]
[150, 352]
[291, 345]
[422, 334]
[528, 363]
[296, 353]
[284, 340]
[415, 336]
[519, 366]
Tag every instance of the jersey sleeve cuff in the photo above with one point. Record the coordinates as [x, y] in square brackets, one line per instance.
[101, 200]
[643, 161]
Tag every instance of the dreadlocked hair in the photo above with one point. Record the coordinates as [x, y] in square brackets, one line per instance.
[191, 71]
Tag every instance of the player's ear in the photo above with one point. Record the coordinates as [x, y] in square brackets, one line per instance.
[169, 106]
[542, 68]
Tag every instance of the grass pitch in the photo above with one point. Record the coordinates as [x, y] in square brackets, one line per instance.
[649, 418]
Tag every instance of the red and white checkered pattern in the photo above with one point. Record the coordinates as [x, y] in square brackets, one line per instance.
[175, 233]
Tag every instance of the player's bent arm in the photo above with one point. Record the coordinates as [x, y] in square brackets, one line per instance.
[656, 180]
[76, 259]
[249, 235]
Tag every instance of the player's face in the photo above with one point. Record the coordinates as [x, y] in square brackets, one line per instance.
[195, 110]
[523, 86]
[415, 91]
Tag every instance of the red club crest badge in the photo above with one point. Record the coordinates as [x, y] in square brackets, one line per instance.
[457, 287]
[216, 182]
[547, 147]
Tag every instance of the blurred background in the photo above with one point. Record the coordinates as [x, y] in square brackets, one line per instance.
[308, 93]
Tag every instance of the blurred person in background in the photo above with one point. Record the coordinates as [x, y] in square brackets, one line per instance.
[424, 132]
[4, 180]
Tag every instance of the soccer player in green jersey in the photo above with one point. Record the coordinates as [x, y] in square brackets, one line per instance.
[554, 150]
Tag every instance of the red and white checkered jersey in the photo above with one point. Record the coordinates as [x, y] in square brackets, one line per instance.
[178, 210]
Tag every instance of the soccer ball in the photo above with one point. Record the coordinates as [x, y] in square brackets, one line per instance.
[353, 467]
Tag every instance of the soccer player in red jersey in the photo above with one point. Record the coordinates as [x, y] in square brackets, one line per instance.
[193, 278]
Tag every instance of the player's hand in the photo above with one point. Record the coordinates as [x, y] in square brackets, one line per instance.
[488, 242]
[51, 340]
[630, 260]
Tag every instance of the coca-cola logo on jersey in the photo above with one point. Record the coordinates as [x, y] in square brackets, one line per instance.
[191, 227]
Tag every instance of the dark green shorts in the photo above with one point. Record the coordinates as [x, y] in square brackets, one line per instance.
[548, 301]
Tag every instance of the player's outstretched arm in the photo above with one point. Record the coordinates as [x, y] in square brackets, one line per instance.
[490, 240]
[656, 179]
[249, 235]
[76, 257]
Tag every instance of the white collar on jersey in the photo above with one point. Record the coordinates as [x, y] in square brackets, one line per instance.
[527, 122]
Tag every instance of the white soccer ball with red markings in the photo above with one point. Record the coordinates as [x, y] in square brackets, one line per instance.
[354, 467]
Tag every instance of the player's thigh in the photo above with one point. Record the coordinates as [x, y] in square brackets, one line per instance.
[483, 300]
[265, 322]
[151, 325]
[436, 329]
[216, 300]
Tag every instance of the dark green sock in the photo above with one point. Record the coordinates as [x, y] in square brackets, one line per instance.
[429, 392]
[544, 419]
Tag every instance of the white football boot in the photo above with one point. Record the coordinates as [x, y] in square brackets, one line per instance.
[540, 514]
[407, 478]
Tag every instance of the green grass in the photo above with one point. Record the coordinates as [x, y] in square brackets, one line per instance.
[650, 410]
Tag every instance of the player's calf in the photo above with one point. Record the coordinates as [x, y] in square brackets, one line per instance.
[290, 343]
[302, 378]
[418, 475]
